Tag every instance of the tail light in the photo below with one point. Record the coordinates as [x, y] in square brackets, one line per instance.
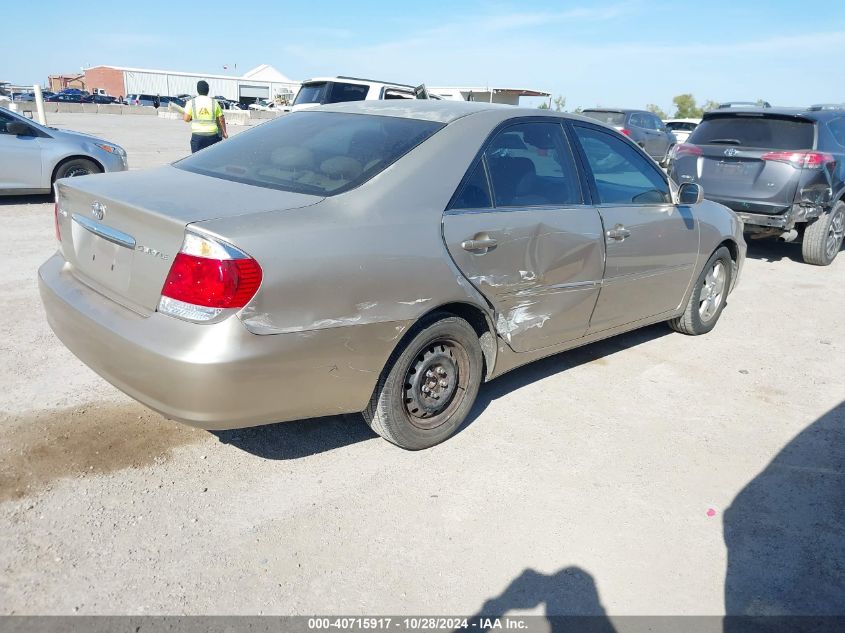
[810, 160]
[625, 131]
[208, 277]
[685, 149]
[56, 221]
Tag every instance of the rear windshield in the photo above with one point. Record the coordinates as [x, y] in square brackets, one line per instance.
[765, 132]
[320, 153]
[311, 93]
[608, 118]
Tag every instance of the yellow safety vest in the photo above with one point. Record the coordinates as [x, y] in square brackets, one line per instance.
[203, 119]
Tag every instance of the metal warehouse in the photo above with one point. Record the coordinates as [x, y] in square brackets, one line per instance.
[263, 82]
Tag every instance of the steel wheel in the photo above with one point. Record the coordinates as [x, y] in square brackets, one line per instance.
[713, 291]
[835, 234]
[436, 383]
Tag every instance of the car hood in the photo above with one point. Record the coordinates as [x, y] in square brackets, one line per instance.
[70, 135]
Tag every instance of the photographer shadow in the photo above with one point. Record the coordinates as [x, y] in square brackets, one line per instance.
[569, 595]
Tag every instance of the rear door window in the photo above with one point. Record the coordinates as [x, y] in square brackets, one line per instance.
[765, 132]
[342, 92]
[638, 120]
[531, 165]
[475, 193]
[837, 130]
[622, 174]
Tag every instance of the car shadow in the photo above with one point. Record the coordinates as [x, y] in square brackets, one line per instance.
[771, 250]
[563, 361]
[301, 438]
[785, 531]
[7, 201]
[568, 595]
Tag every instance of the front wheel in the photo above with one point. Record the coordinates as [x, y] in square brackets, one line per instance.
[823, 238]
[427, 390]
[708, 297]
[77, 167]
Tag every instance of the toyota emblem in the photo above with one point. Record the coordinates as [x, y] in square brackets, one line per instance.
[731, 151]
[98, 210]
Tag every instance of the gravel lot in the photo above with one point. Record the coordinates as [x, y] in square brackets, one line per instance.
[601, 480]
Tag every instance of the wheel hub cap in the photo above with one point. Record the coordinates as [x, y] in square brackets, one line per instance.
[712, 292]
[835, 233]
[432, 381]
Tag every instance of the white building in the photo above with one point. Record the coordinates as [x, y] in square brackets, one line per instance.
[263, 82]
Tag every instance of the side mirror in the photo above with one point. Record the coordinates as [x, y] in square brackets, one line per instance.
[690, 193]
[18, 129]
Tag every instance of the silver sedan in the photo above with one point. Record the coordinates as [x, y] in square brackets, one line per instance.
[34, 156]
[380, 257]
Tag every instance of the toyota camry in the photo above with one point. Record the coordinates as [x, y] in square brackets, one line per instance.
[380, 257]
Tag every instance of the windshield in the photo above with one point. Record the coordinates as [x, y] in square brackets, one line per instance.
[766, 132]
[319, 153]
[311, 93]
[608, 118]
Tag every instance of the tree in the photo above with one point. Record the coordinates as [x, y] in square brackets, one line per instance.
[685, 107]
[656, 109]
[543, 106]
[709, 105]
[560, 103]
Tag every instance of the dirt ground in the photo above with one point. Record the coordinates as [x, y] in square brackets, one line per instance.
[653, 473]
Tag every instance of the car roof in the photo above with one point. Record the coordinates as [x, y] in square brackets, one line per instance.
[425, 109]
[682, 120]
[358, 80]
[620, 110]
[805, 113]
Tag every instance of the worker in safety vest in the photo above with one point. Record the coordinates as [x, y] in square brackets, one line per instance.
[206, 117]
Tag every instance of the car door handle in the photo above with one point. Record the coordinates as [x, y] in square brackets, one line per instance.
[480, 244]
[618, 233]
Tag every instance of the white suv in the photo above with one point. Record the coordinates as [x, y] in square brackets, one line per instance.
[323, 90]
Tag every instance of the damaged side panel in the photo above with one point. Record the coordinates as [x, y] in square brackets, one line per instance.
[542, 276]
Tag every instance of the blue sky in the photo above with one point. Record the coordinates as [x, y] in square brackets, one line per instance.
[629, 53]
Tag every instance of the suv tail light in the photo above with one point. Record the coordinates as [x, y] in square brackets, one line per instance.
[207, 277]
[625, 131]
[686, 149]
[810, 160]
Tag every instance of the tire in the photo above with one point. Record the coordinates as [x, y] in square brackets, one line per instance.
[77, 167]
[823, 238]
[445, 352]
[711, 288]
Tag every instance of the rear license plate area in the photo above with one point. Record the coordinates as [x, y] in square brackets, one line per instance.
[106, 261]
[736, 170]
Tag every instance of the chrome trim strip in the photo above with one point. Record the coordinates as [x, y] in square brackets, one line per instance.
[107, 233]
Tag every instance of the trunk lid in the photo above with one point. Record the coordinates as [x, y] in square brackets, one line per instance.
[732, 165]
[120, 232]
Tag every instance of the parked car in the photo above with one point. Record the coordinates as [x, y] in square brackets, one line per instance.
[74, 91]
[66, 97]
[341, 89]
[681, 128]
[781, 169]
[141, 99]
[98, 98]
[266, 105]
[33, 156]
[642, 127]
[304, 297]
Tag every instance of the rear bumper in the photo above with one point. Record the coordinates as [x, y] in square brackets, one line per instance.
[216, 376]
[785, 219]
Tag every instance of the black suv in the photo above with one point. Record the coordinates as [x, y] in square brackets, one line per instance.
[782, 170]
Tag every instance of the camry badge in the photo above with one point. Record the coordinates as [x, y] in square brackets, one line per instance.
[731, 151]
[98, 210]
